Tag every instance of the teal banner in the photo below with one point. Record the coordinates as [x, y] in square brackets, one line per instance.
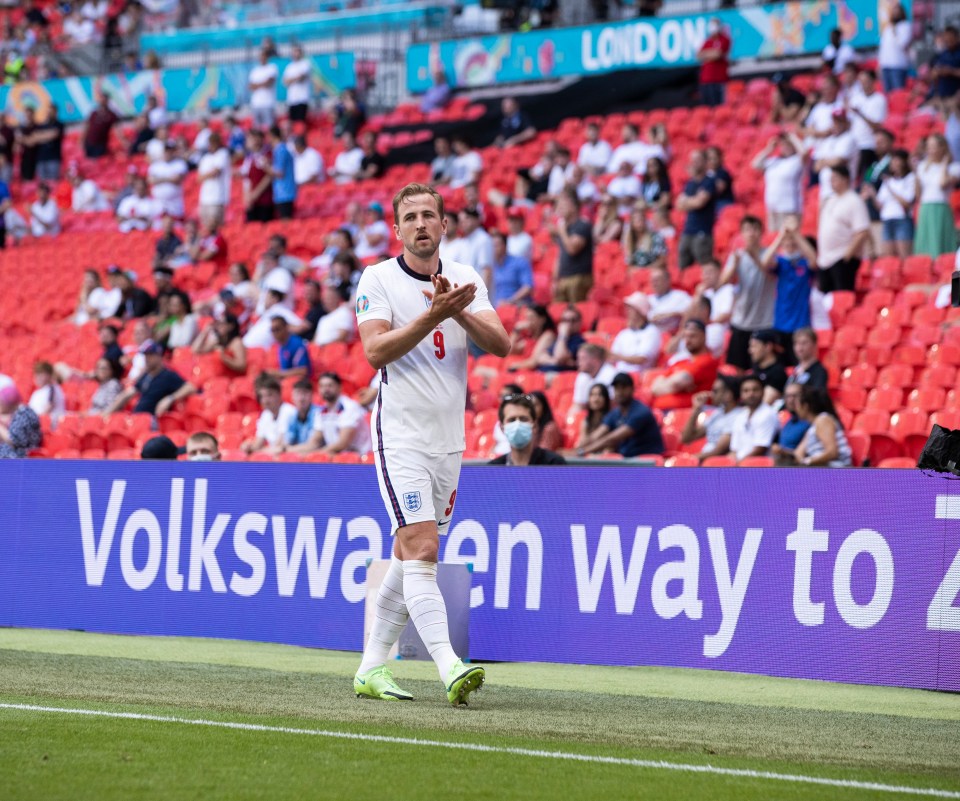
[770, 31]
[181, 90]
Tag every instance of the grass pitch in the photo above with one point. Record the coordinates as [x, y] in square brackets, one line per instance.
[603, 727]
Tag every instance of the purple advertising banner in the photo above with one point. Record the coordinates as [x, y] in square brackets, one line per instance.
[842, 575]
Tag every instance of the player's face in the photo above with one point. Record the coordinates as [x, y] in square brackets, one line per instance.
[420, 226]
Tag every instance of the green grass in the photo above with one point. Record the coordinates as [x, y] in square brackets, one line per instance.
[871, 734]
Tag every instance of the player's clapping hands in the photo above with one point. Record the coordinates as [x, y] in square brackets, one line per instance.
[449, 301]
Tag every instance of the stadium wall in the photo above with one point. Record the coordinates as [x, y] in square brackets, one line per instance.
[839, 575]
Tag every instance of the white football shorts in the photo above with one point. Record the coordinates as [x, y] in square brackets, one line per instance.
[417, 487]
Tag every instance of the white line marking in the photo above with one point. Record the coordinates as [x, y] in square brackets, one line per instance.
[493, 749]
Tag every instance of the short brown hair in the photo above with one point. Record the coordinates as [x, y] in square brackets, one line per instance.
[204, 436]
[524, 400]
[412, 190]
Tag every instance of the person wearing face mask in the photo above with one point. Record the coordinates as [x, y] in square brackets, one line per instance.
[202, 447]
[714, 64]
[518, 417]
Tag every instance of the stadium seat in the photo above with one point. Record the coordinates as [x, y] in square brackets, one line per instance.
[719, 461]
[859, 446]
[887, 398]
[757, 461]
[926, 399]
[948, 418]
[902, 462]
[682, 460]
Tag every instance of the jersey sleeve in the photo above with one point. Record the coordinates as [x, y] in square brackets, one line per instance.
[372, 301]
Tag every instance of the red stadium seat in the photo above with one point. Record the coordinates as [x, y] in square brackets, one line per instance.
[903, 462]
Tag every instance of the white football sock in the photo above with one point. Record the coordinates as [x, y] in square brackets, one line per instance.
[391, 617]
[428, 612]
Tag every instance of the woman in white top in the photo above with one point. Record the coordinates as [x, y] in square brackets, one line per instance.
[936, 176]
[48, 398]
[825, 444]
[95, 302]
[896, 197]
[782, 177]
[893, 56]
[181, 327]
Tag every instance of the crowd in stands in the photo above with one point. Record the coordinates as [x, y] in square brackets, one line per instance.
[756, 280]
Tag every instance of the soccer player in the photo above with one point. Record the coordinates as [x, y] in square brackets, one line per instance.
[414, 315]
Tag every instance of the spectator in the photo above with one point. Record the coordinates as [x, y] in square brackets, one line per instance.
[894, 54]
[298, 82]
[765, 364]
[338, 324]
[165, 176]
[836, 150]
[8, 138]
[516, 127]
[284, 182]
[787, 102]
[48, 140]
[439, 95]
[26, 145]
[302, 425]
[573, 275]
[202, 446]
[348, 164]
[337, 241]
[843, 230]
[592, 369]
[519, 242]
[756, 299]
[838, 54]
[373, 164]
[275, 417]
[234, 138]
[139, 211]
[755, 426]
[213, 175]
[608, 226]
[86, 195]
[163, 281]
[211, 246]
[132, 357]
[561, 355]
[473, 246]
[157, 114]
[142, 136]
[96, 130]
[792, 431]
[48, 398]
[937, 175]
[667, 304]
[655, 187]
[293, 359]
[634, 150]
[594, 153]
[782, 177]
[222, 337]
[636, 348]
[896, 198]
[160, 447]
[373, 244]
[441, 168]
[714, 56]
[512, 275]
[19, 425]
[107, 335]
[258, 179]
[624, 188]
[809, 372]
[712, 417]
[180, 329]
[546, 430]
[700, 309]
[818, 123]
[467, 163]
[340, 424]
[44, 213]
[107, 375]
[159, 387]
[641, 246]
[263, 91]
[698, 200]
[945, 67]
[94, 303]
[307, 163]
[629, 429]
[154, 149]
[598, 405]
[721, 297]
[676, 386]
[518, 419]
[868, 111]
[794, 261]
[276, 254]
[720, 175]
[824, 444]
[533, 337]
[349, 114]
[134, 300]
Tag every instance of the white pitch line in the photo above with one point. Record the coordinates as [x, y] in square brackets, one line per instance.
[493, 749]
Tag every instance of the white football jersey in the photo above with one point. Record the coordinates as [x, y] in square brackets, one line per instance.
[424, 393]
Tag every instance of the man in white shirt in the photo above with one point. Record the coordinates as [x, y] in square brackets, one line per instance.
[338, 324]
[79, 30]
[214, 176]
[155, 148]
[667, 305]
[838, 53]
[374, 239]
[637, 346]
[595, 153]
[839, 148]
[44, 214]
[474, 245]
[624, 188]
[592, 368]
[868, 111]
[260, 335]
[165, 177]
[636, 151]
[274, 420]
[756, 423]
[843, 230]
[297, 80]
[818, 124]
[86, 194]
[263, 91]
[339, 424]
[307, 163]
[139, 211]
[347, 164]
[467, 164]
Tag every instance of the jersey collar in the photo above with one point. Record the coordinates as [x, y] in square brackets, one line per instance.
[413, 274]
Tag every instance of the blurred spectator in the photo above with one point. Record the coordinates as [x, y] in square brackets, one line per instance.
[79, 30]
[165, 176]
[44, 213]
[347, 166]
[373, 164]
[561, 353]
[700, 309]
[234, 137]
[896, 198]
[893, 56]
[591, 369]
[8, 138]
[94, 303]
[624, 188]
[598, 405]
[667, 304]
[824, 444]
[349, 114]
[213, 175]
[163, 281]
[945, 67]
[765, 364]
[160, 447]
[519, 242]
[263, 91]
[374, 239]
[345, 269]
[533, 337]
[298, 81]
[838, 53]
[134, 300]
[794, 261]
[808, 371]
[48, 398]
[211, 246]
[157, 115]
[441, 168]
[782, 177]
[467, 164]
[843, 230]
[140, 137]
[168, 243]
[338, 324]
[139, 211]
[301, 426]
[655, 187]
[721, 297]
[937, 176]
[179, 330]
[284, 181]
[756, 424]
[107, 375]
[818, 123]
[132, 356]
[308, 165]
[86, 195]
[108, 334]
[546, 431]
[277, 248]
[636, 347]
[629, 428]
[97, 128]
[516, 127]
[714, 56]
[512, 275]
[608, 226]
[698, 200]
[518, 420]
[202, 447]
[339, 425]
[584, 185]
[26, 145]
[756, 298]
[258, 179]
[222, 337]
[792, 431]
[594, 153]
[868, 111]
[47, 138]
[836, 150]
[787, 102]
[720, 175]
[337, 241]
[573, 275]
[641, 246]
[159, 387]
[634, 150]
[439, 95]
[275, 417]
[154, 149]
[314, 310]
[712, 417]
[293, 359]
[474, 245]
[676, 386]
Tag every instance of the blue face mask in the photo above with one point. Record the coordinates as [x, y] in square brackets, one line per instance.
[518, 433]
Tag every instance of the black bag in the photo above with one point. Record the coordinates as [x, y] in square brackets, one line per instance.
[941, 452]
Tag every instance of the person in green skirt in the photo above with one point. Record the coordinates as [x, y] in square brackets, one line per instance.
[937, 175]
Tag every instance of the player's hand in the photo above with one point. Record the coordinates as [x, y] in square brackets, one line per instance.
[449, 302]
